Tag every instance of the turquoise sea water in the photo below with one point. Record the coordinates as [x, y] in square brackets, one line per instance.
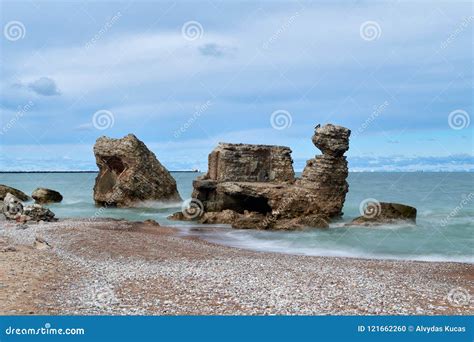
[444, 230]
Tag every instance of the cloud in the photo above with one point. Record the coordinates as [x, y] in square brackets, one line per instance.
[84, 127]
[249, 63]
[44, 86]
[452, 163]
[212, 49]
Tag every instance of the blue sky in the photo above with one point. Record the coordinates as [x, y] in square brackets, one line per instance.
[183, 76]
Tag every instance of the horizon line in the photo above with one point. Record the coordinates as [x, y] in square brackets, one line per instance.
[198, 171]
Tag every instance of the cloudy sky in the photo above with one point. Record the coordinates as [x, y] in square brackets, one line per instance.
[183, 76]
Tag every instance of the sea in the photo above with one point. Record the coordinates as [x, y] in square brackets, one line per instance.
[444, 231]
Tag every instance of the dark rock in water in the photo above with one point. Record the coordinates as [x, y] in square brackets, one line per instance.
[150, 222]
[178, 216]
[254, 220]
[4, 189]
[12, 207]
[43, 196]
[129, 173]
[253, 186]
[379, 213]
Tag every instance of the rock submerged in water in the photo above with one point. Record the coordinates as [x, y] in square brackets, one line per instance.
[253, 186]
[130, 173]
[43, 196]
[379, 213]
[5, 189]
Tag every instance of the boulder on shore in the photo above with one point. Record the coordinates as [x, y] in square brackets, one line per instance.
[253, 186]
[13, 209]
[5, 189]
[379, 213]
[37, 213]
[43, 196]
[130, 173]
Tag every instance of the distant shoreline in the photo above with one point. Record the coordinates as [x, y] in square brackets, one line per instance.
[190, 171]
[78, 171]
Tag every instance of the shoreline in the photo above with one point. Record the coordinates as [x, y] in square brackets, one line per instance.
[118, 267]
[348, 256]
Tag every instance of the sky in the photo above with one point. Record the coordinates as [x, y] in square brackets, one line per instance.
[185, 75]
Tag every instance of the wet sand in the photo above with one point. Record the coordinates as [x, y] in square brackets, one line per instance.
[123, 268]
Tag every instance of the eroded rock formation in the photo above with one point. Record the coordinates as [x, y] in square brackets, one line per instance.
[129, 173]
[250, 163]
[253, 186]
[326, 174]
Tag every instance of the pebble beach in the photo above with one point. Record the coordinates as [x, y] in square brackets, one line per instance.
[117, 267]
